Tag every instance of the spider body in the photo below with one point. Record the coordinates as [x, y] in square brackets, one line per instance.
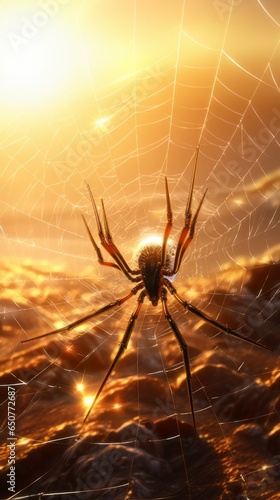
[158, 264]
[152, 270]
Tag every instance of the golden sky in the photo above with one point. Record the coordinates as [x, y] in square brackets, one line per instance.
[120, 93]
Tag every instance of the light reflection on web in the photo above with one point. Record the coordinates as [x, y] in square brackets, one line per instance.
[188, 84]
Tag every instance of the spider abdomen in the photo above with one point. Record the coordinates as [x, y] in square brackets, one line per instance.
[149, 262]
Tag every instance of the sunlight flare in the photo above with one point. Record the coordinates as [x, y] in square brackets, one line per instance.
[35, 52]
[87, 399]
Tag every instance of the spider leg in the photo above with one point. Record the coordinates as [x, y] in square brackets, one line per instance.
[122, 347]
[188, 230]
[188, 216]
[183, 345]
[91, 315]
[107, 241]
[207, 318]
[97, 249]
[191, 234]
[168, 226]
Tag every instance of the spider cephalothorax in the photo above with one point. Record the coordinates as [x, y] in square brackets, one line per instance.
[157, 268]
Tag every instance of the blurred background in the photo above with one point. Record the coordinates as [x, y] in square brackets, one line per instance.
[120, 94]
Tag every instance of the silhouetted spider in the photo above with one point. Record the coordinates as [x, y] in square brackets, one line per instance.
[157, 268]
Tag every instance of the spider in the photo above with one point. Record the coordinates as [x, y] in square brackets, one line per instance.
[157, 269]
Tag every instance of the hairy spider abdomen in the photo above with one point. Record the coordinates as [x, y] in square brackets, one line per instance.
[148, 258]
[149, 262]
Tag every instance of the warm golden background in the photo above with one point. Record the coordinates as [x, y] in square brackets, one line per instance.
[120, 93]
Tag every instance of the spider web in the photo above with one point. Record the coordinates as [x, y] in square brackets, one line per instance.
[120, 95]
